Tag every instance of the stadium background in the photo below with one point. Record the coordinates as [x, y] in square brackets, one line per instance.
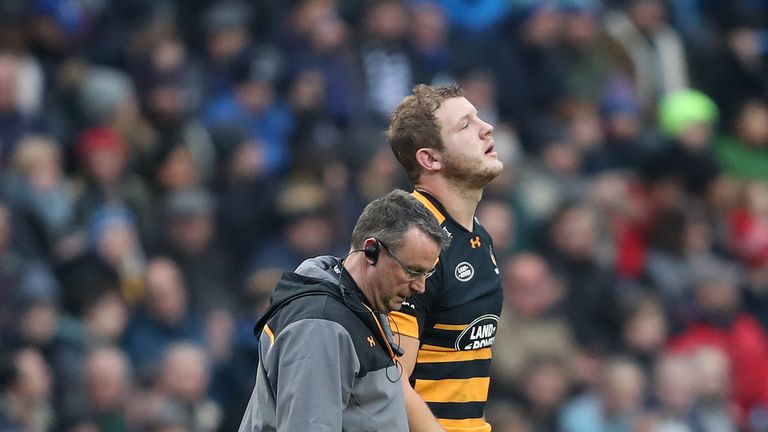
[161, 162]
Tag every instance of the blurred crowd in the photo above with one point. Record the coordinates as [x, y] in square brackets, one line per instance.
[163, 161]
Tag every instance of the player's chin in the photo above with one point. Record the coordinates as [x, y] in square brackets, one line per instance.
[491, 170]
[495, 162]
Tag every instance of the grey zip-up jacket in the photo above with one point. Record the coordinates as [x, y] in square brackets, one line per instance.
[324, 363]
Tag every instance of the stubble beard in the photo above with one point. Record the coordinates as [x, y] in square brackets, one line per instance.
[468, 174]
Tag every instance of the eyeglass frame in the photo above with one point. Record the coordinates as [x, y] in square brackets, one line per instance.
[411, 273]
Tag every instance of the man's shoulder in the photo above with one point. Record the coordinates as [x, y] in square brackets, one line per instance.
[315, 305]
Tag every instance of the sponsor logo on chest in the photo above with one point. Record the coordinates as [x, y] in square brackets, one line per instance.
[464, 271]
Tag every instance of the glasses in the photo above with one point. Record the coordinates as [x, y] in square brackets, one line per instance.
[411, 273]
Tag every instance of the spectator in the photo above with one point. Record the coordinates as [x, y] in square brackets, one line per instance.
[181, 391]
[10, 264]
[108, 181]
[162, 319]
[655, 48]
[714, 407]
[114, 240]
[25, 395]
[545, 389]
[38, 192]
[721, 322]
[306, 230]
[616, 404]
[254, 108]
[191, 241]
[743, 151]
[674, 394]
[531, 79]
[387, 64]
[14, 121]
[108, 383]
[644, 330]
[589, 295]
[533, 324]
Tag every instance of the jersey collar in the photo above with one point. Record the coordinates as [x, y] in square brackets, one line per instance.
[430, 202]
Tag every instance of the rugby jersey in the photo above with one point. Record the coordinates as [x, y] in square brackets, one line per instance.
[455, 320]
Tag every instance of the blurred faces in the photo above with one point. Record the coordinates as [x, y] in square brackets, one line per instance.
[192, 234]
[167, 299]
[310, 234]
[622, 387]
[107, 378]
[547, 385]
[499, 220]
[38, 158]
[38, 323]
[118, 243]
[178, 170]
[107, 317]
[328, 34]
[185, 373]
[531, 287]
[9, 66]
[674, 384]
[646, 329]
[543, 28]
[387, 21]
[696, 137]
[752, 125]
[468, 158]
[34, 383]
[717, 299]
[575, 233]
[647, 15]
[580, 28]
[429, 29]
[105, 165]
[224, 44]
[308, 91]
[712, 374]
[256, 96]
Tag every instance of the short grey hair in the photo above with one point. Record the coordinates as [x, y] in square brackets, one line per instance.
[388, 219]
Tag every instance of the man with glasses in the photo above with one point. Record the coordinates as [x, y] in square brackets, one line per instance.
[412, 274]
[327, 357]
[447, 330]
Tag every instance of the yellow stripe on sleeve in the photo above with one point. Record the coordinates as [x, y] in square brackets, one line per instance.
[426, 347]
[426, 356]
[453, 390]
[465, 425]
[457, 327]
[405, 324]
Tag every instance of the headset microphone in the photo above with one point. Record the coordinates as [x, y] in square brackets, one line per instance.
[384, 321]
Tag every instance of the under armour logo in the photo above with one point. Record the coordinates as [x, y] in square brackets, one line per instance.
[371, 341]
[475, 242]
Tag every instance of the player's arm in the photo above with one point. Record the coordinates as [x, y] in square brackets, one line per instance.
[420, 418]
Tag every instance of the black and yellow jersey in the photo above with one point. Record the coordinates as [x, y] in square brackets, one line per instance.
[455, 320]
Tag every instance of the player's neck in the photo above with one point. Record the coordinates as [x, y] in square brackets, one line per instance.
[459, 202]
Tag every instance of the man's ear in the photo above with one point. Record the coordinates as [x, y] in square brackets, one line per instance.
[429, 159]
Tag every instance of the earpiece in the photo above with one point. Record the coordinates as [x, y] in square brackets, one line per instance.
[372, 252]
